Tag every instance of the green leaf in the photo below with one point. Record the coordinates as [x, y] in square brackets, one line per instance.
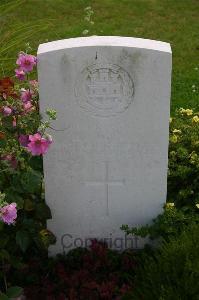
[23, 240]
[4, 255]
[36, 163]
[1, 226]
[3, 240]
[14, 291]
[47, 238]
[3, 296]
[31, 181]
[17, 262]
[51, 113]
[29, 205]
[12, 196]
[3, 143]
[16, 184]
[43, 212]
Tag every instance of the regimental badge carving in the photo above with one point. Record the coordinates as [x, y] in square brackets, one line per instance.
[104, 89]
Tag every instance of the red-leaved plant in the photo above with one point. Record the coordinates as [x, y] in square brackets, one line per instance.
[93, 273]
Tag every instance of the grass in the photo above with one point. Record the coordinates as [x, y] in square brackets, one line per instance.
[173, 21]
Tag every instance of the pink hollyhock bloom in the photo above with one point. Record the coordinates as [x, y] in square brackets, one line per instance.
[34, 83]
[38, 145]
[27, 107]
[7, 111]
[24, 140]
[20, 74]
[26, 95]
[26, 62]
[8, 213]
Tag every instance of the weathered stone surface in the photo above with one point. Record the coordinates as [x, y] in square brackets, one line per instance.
[108, 163]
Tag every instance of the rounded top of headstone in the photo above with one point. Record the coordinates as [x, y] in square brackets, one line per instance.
[114, 41]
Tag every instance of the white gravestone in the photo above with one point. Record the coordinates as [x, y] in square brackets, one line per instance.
[108, 163]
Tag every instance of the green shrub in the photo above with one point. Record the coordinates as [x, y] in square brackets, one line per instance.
[183, 174]
[168, 224]
[173, 272]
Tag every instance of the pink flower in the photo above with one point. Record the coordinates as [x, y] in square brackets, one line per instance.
[20, 74]
[24, 140]
[8, 213]
[38, 145]
[34, 83]
[26, 62]
[26, 95]
[27, 107]
[7, 111]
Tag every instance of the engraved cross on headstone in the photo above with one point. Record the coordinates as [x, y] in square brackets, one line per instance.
[107, 183]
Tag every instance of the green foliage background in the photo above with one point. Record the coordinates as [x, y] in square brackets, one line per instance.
[173, 21]
[173, 272]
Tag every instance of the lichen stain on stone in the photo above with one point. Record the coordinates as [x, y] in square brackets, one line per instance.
[65, 67]
[131, 59]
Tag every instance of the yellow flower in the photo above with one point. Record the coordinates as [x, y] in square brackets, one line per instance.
[174, 139]
[170, 205]
[197, 205]
[170, 120]
[193, 154]
[195, 119]
[173, 153]
[177, 131]
[187, 111]
[182, 110]
[193, 157]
